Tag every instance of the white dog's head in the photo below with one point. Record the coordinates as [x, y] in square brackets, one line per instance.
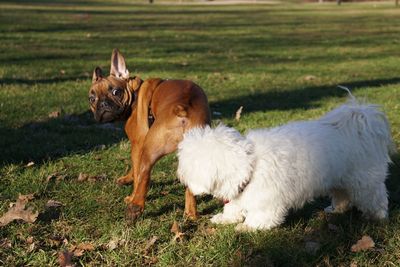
[215, 161]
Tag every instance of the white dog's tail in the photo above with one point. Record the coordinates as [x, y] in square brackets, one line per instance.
[366, 121]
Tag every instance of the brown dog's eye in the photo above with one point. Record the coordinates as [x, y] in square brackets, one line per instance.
[116, 92]
[92, 99]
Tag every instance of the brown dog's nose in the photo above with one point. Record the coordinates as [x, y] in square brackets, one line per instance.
[104, 104]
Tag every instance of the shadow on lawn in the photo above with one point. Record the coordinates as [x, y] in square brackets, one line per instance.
[299, 98]
[54, 138]
[77, 133]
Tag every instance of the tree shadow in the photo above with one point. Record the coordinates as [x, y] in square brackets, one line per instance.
[301, 98]
[55, 138]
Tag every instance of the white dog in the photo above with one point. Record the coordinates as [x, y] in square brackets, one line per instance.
[344, 154]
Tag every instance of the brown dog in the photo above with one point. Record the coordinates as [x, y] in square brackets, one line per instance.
[157, 113]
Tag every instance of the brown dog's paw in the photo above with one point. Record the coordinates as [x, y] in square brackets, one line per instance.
[125, 180]
[191, 216]
[133, 212]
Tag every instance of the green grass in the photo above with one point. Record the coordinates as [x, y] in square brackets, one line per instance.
[255, 56]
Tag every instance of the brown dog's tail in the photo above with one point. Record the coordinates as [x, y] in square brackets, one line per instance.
[180, 111]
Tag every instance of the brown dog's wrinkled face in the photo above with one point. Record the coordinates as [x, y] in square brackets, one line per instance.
[109, 97]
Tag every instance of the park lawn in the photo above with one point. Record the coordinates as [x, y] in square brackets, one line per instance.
[281, 62]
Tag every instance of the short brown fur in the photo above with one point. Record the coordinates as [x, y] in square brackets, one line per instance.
[176, 105]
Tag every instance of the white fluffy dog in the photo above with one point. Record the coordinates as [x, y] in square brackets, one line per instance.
[344, 154]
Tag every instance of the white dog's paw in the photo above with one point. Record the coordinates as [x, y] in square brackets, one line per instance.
[218, 219]
[242, 228]
[222, 218]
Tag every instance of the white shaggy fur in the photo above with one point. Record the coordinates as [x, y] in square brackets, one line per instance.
[344, 154]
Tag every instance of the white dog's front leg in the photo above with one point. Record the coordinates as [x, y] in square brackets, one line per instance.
[260, 221]
[232, 214]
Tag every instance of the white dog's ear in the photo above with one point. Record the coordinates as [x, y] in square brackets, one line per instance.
[118, 66]
[215, 161]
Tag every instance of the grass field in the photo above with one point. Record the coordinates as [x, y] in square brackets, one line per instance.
[281, 62]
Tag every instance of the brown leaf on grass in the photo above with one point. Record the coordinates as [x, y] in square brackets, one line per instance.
[86, 177]
[31, 247]
[53, 242]
[5, 243]
[29, 240]
[150, 244]
[78, 252]
[54, 114]
[18, 211]
[238, 113]
[65, 259]
[150, 261]
[53, 204]
[114, 243]
[309, 77]
[82, 177]
[30, 164]
[55, 176]
[85, 246]
[177, 231]
[210, 230]
[364, 243]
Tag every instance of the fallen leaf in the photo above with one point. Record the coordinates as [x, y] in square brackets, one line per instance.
[113, 244]
[53, 204]
[78, 252]
[18, 211]
[97, 177]
[238, 113]
[309, 77]
[177, 231]
[82, 177]
[210, 230]
[150, 244]
[5, 243]
[364, 243]
[85, 246]
[55, 176]
[53, 242]
[65, 259]
[30, 164]
[54, 114]
[29, 240]
[86, 177]
[31, 247]
[151, 260]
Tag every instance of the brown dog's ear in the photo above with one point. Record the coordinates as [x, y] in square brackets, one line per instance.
[97, 74]
[118, 67]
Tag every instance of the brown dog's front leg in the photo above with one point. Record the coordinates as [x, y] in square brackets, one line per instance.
[137, 199]
[190, 205]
